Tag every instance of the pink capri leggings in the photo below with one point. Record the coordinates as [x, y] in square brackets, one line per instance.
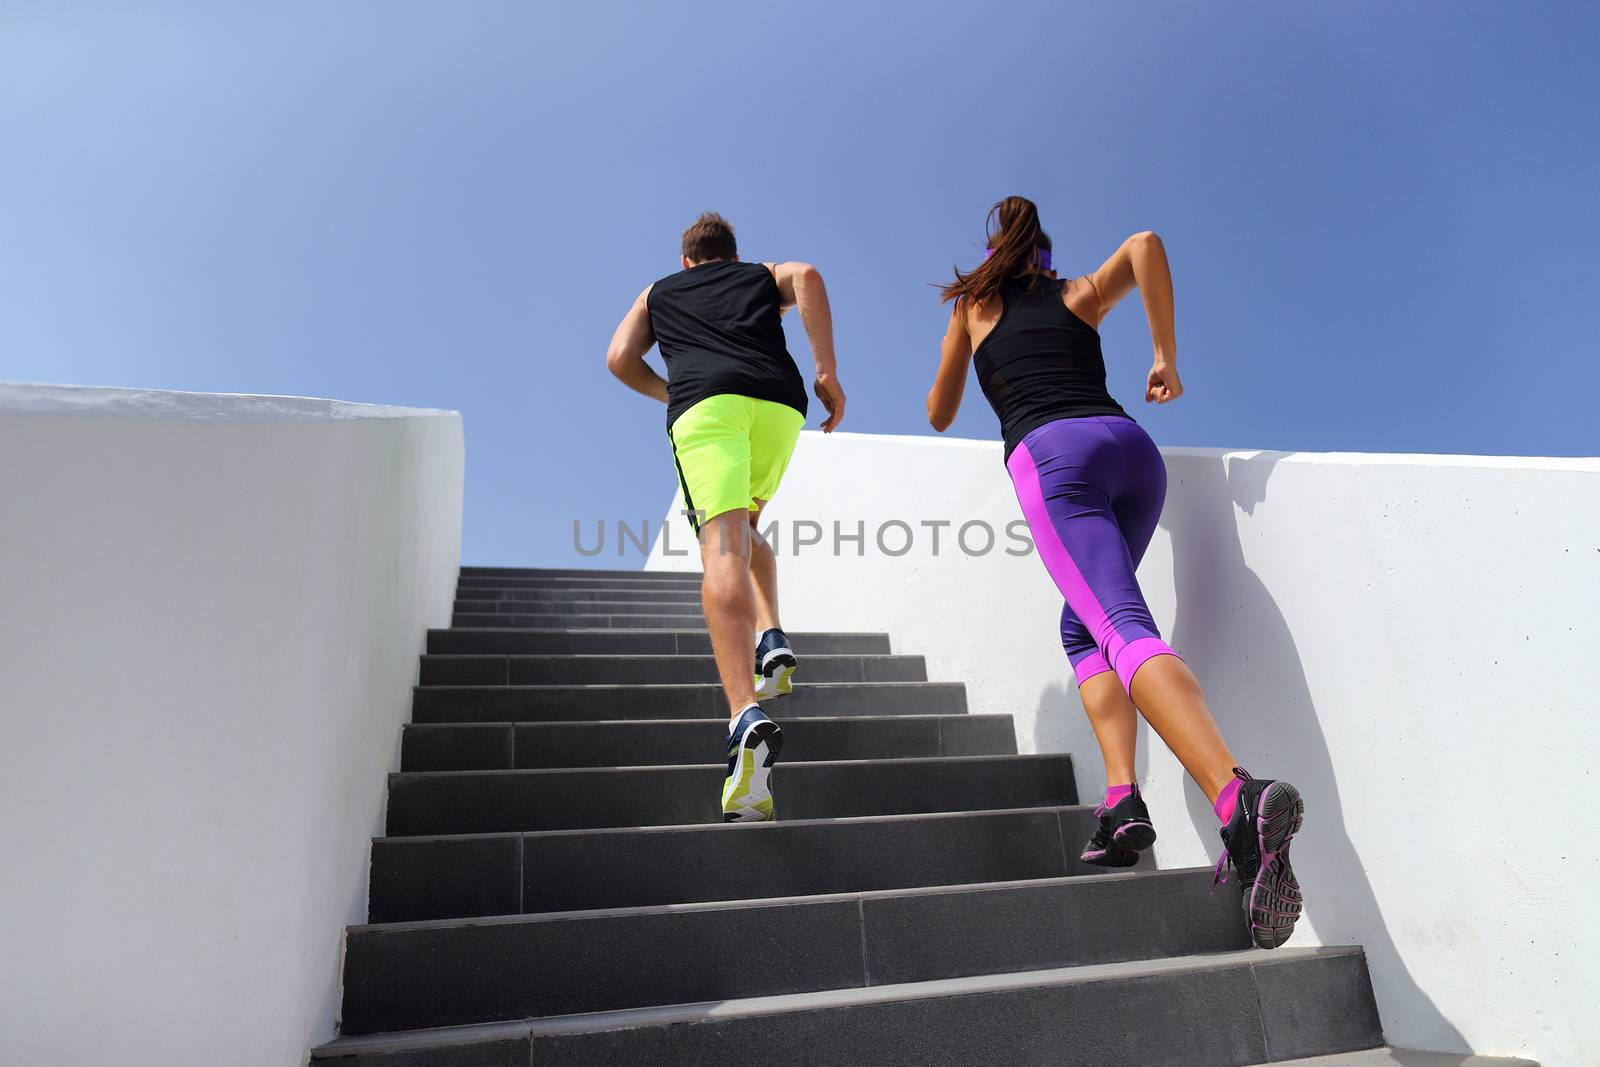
[1091, 489]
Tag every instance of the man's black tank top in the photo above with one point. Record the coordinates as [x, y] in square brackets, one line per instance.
[720, 329]
[1041, 362]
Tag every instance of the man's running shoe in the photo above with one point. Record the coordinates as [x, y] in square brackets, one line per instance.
[753, 746]
[1256, 845]
[775, 665]
[1124, 831]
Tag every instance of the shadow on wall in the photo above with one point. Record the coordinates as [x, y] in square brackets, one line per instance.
[1231, 632]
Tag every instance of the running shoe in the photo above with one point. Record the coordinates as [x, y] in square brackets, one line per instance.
[1256, 845]
[775, 665]
[753, 746]
[1125, 830]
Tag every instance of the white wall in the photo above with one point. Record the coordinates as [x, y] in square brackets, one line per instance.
[1410, 639]
[210, 614]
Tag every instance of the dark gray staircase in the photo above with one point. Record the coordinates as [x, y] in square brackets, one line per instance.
[555, 886]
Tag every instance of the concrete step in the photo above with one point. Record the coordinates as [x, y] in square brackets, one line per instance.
[514, 576]
[588, 580]
[637, 642]
[639, 743]
[588, 703]
[1189, 1011]
[1212, 1010]
[650, 670]
[1399, 1057]
[588, 606]
[574, 572]
[570, 870]
[628, 594]
[600, 620]
[449, 972]
[465, 802]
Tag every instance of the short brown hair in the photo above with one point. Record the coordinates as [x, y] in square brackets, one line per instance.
[711, 237]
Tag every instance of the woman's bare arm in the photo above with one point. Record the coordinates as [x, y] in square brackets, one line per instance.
[955, 353]
[1141, 263]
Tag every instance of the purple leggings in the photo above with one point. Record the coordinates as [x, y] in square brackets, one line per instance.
[1091, 489]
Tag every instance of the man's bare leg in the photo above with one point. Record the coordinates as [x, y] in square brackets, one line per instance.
[764, 575]
[728, 596]
[754, 741]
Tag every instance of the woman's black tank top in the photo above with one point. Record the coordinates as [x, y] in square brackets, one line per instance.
[1041, 362]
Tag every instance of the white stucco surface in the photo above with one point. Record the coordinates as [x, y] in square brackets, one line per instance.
[1410, 639]
[210, 614]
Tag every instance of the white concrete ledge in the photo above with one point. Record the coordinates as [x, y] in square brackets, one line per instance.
[27, 398]
[1410, 639]
[1364, 459]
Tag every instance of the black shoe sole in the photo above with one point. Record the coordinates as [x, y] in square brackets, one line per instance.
[1272, 904]
[1136, 834]
[1127, 841]
[777, 661]
[1111, 856]
[767, 733]
[772, 735]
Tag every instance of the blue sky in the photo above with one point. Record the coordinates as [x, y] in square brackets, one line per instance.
[1382, 218]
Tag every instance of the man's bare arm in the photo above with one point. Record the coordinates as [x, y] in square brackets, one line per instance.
[800, 285]
[625, 357]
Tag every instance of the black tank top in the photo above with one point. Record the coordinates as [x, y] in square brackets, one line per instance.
[1041, 362]
[720, 329]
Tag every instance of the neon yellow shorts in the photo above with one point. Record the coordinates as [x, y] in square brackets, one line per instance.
[731, 451]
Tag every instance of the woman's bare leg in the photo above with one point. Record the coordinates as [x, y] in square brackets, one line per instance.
[1168, 695]
[1115, 723]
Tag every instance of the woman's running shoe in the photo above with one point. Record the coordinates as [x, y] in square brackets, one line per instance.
[1125, 830]
[775, 665]
[753, 746]
[1267, 815]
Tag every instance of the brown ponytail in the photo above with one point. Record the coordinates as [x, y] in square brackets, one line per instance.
[1015, 244]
